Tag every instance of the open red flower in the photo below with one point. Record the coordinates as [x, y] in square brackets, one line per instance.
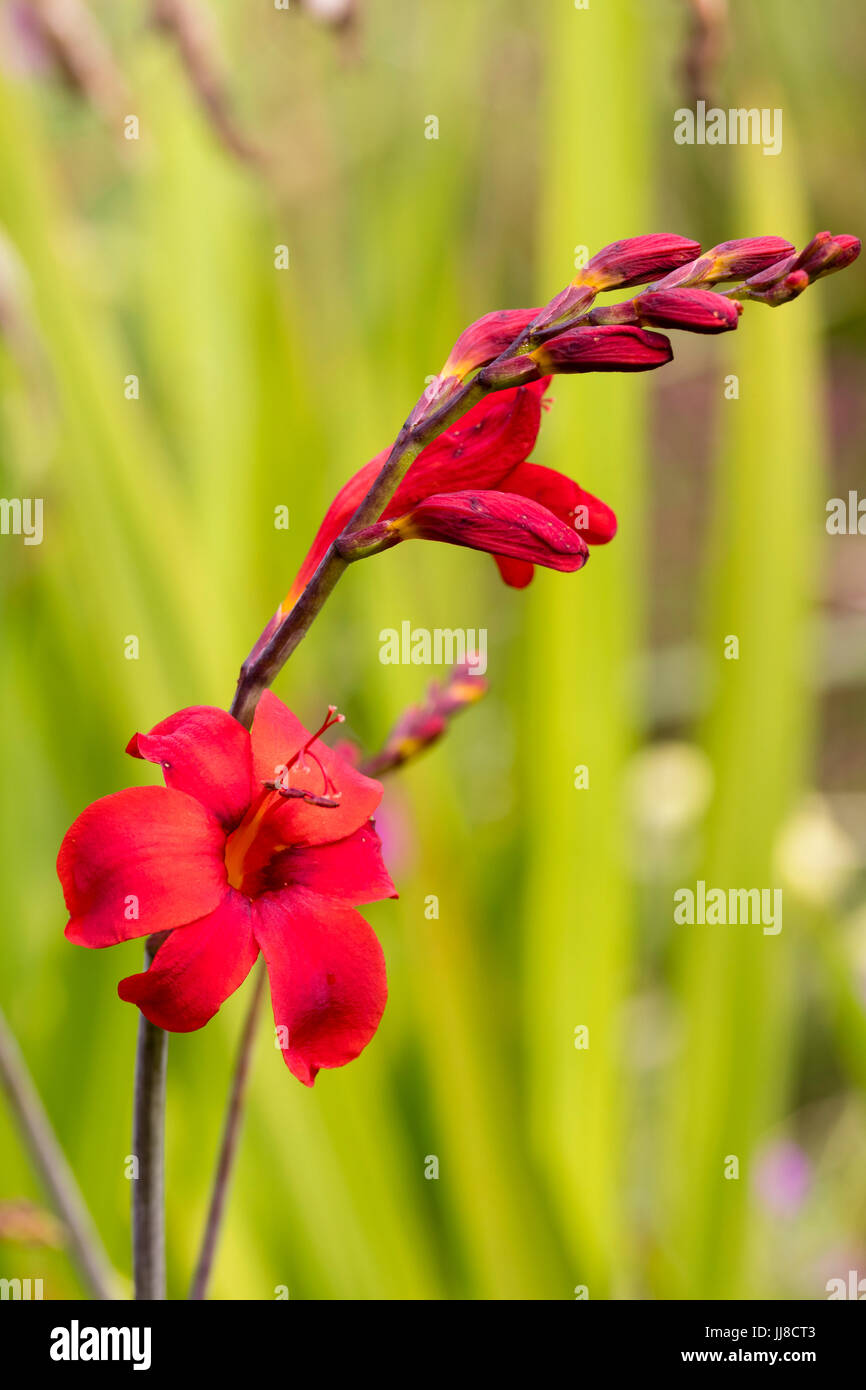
[487, 450]
[259, 841]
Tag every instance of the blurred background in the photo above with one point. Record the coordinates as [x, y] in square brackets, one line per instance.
[559, 1167]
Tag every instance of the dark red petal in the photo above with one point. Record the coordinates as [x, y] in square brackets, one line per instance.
[327, 977]
[499, 522]
[593, 519]
[148, 851]
[205, 752]
[492, 438]
[350, 871]
[276, 737]
[196, 968]
[341, 510]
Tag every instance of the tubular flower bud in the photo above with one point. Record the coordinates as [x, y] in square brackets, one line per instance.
[614, 348]
[482, 342]
[636, 261]
[786, 289]
[730, 260]
[499, 522]
[697, 311]
[485, 339]
[420, 726]
[826, 253]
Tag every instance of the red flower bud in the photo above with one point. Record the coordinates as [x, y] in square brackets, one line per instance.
[608, 349]
[730, 260]
[498, 522]
[698, 311]
[479, 344]
[636, 260]
[735, 260]
[783, 290]
[485, 339]
[826, 253]
[772, 273]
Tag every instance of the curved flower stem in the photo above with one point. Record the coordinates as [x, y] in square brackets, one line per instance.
[148, 1146]
[282, 635]
[228, 1143]
[56, 1175]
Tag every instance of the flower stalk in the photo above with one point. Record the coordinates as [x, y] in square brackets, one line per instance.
[50, 1162]
[286, 630]
[228, 1142]
[148, 1147]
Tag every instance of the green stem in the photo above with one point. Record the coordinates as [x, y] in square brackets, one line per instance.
[266, 661]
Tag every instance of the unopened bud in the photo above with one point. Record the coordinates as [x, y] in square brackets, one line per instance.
[826, 253]
[636, 261]
[605, 349]
[485, 339]
[697, 311]
[730, 260]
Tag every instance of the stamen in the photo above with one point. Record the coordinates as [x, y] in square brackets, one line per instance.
[332, 796]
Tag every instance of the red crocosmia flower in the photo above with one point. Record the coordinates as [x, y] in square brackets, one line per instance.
[259, 841]
[487, 449]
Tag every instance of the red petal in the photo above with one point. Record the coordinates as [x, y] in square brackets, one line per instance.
[341, 510]
[351, 871]
[196, 968]
[562, 496]
[327, 977]
[496, 434]
[204, 752]
[516, 573]
[276, 736]
[148, 851]
[491, 439]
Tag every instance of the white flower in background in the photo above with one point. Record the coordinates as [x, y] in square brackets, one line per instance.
[670, 787]
[815, 855]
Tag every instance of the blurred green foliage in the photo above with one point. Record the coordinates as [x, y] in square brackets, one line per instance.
[559, 1166]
